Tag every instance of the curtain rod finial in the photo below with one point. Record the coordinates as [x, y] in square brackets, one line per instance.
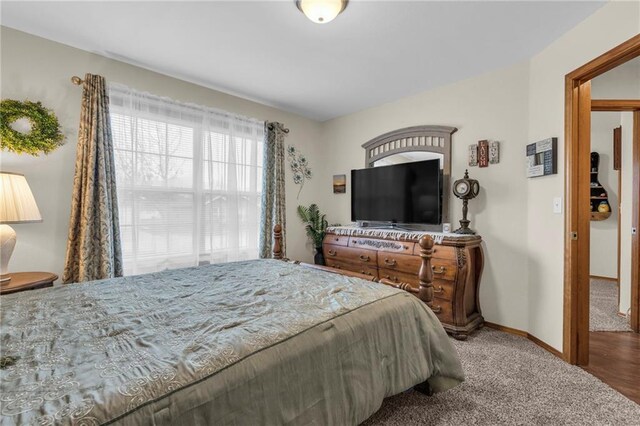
[76, 80]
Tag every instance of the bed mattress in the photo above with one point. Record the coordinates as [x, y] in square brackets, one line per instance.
[255, 342]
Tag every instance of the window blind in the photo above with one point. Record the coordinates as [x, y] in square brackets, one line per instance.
[189, 182]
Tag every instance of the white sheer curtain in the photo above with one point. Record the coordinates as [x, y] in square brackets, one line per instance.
[189, 182]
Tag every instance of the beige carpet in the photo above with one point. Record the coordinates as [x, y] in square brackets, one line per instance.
[603, 307]
[511, 381]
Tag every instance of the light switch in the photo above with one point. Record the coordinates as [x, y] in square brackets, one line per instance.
[557, 205]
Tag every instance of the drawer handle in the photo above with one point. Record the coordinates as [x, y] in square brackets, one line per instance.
[441, 271]
[438, 290]
[364, 258]
[391, 262]
[337, 239]
[366, 273]
[394, 279]
[332, 252]
[436, 309]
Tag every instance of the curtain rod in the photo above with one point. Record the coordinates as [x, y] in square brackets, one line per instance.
[284, 129]
[78, 81]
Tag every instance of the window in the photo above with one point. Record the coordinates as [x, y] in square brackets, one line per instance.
[189, 182]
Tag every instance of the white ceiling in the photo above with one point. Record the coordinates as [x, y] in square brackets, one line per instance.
[375, 52]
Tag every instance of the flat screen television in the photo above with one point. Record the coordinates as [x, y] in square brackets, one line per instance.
[401, 193]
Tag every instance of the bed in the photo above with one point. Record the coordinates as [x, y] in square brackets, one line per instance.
[254, 342]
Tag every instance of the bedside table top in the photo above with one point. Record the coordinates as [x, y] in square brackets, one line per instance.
[27, 280]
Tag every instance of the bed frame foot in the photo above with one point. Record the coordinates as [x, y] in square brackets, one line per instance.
[424, 388]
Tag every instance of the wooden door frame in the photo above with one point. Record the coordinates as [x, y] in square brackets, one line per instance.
[577, 220]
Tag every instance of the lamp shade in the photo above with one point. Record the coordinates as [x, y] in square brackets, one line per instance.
[17, 204]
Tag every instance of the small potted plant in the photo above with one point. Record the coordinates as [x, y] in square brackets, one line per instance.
[316, 225]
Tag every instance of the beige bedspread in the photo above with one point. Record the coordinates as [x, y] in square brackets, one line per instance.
[257, 342]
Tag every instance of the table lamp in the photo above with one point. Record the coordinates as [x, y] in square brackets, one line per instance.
[17, 205]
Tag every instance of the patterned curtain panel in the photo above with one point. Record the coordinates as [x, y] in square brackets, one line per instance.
[93, 248]
[273, 199]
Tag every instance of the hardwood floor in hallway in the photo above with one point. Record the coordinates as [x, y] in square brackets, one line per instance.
[614, 358]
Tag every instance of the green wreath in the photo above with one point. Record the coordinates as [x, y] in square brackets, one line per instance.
[45, 134]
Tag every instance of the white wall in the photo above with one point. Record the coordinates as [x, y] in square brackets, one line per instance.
[492, 107]
[604, 233]
[611, 25]
[39, 70]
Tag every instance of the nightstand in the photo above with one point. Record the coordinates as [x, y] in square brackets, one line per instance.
[21, 281]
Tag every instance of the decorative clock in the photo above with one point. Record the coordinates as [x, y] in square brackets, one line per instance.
[466, 189]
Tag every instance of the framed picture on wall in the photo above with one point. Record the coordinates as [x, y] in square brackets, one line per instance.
[542, 158]
[339, 184]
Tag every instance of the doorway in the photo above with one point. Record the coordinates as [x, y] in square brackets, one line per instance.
[578, 107]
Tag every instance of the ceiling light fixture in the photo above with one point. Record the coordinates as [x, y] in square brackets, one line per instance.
[321, 11]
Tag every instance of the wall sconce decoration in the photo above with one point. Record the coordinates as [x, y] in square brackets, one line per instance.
[299, 167]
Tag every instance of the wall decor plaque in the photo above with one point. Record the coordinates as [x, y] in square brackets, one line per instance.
[473, 155]
[494, 152]
[542, 158]
[483, 153]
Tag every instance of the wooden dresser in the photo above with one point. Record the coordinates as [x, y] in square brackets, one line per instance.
[457, 267]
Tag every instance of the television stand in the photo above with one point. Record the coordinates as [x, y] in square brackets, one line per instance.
[395, 255]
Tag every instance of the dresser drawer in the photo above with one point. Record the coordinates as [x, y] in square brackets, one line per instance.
[399, 277]
[443, 289]
[370, 271]
[351, 255]
[438, 252]
[446, 310]
[332, 263]
[399, 262]
[444, 252]
[392, 246]
[444, 269]
[338, 240]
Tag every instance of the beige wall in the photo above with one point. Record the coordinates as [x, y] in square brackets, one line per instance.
[39, 70]
[611, 25]
[491, 107]
[604, 233]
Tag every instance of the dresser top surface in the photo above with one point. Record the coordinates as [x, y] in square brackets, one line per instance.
[402, 235]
